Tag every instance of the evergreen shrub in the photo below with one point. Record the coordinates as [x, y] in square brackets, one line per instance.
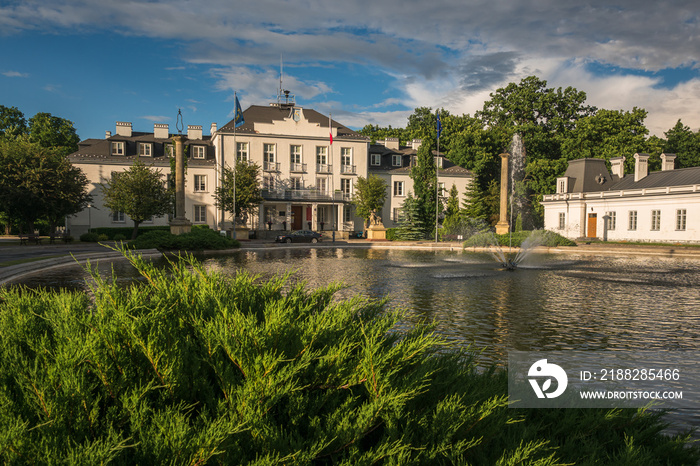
[126, 231]
[197, 239]
[89, 237]
[543, 237]
[391, 234]
[191, 367]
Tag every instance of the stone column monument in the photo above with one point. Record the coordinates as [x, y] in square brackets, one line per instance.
[180, 224]
[502, 226]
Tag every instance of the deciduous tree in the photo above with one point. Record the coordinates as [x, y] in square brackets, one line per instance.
[12, 122]
[50, 131]
[247, 197]
[369, 197]
[139, 192]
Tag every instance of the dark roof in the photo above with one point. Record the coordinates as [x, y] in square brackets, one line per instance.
[269, 114]
[100, 150]
[660, 179]
[591, 175]
[406, 153]
[588, 175]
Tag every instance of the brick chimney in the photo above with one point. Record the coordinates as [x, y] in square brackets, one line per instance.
[161, 131]
[108, 134]
[391, 143]
[124, 128]
[194, 131]
[213, 129]
[617, 166]
[415, 144]
[668, 162]
[641, 167]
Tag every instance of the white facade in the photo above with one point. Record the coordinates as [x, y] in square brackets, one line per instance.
[307, 182]
[649, 207]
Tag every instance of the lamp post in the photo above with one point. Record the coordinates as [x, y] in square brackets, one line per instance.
[179, 224]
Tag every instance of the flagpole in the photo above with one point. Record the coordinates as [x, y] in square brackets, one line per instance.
[330, 135]
[235, 158]
[437, 179]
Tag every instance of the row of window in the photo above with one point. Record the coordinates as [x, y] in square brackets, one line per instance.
[400, 191]
[295, 154]
[681, 216]
[145, 149]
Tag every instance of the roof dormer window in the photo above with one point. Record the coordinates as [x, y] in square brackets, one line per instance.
[198, 152]
[118, 148]
[145, 149]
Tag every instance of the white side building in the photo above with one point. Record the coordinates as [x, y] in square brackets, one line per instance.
[590, 202]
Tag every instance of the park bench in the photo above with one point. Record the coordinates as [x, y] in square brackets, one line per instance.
[23, 239]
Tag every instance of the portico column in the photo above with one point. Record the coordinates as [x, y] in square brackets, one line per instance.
[288, 216]
[314, 216]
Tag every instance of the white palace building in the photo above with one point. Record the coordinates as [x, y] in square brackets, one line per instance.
[307, 182]
[590, 202]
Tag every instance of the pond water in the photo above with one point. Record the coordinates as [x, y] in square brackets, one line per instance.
[551, 302]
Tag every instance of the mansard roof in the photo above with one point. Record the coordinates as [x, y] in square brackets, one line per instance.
[270, 114]
[592, 175]
[660, 179]
[100, 150]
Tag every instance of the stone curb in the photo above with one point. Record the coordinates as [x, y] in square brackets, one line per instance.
[14, 272]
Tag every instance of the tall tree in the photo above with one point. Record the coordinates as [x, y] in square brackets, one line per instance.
[38, 182]
[685, 144]
[608, 134]
[369, 196]
[12, 122]
[247, 190]
[139, 192]
[411, 226]
[423, 174]
[50, 131]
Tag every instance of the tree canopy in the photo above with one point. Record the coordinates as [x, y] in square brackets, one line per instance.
[240, 190]
[556, 125]
[39, 183]
[369, 196]
[139, 192]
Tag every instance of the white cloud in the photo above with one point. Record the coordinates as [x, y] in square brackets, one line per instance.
[445, 53]
[156, 118]
[15, 74]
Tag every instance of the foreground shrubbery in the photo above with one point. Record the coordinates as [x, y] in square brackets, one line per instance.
[197, 239]
[540, 237]
[189, 367]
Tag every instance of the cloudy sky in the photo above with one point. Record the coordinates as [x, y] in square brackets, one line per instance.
[100, 61]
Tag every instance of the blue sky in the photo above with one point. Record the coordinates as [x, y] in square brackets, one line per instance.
[96, 62]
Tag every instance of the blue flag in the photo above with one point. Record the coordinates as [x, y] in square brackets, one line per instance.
[238, 114]
[439, 126]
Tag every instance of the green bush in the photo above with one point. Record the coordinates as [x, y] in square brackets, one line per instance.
[102, 237]
[127, 231]
[119, 237]
[540, 237]
[89, 237]
[191, 367]
[197, 239]
[391, 234]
